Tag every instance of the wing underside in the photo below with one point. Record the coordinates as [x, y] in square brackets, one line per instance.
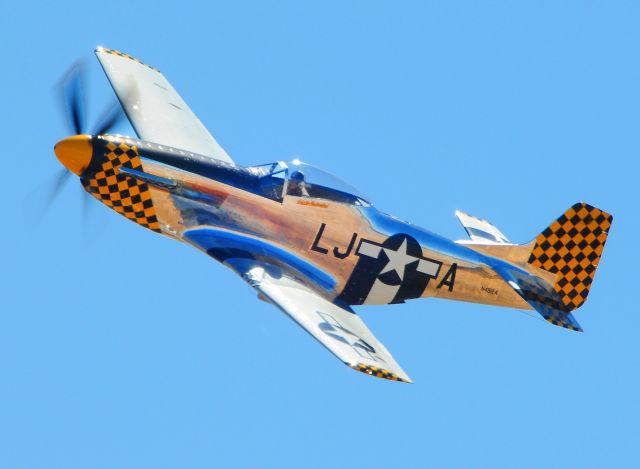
[338, 328]
[154, 108]
[335, 326]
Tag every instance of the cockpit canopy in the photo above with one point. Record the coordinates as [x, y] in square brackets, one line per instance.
[298, 179]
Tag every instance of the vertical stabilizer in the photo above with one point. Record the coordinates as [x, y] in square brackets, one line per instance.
[571, 248]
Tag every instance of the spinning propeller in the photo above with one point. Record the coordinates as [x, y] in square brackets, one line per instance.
[75, 152]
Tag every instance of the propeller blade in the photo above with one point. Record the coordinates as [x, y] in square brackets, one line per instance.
[39, 201]
[72, 94]
[111, 117]
[59, 180]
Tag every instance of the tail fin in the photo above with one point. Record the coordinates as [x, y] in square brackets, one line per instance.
[571, 248]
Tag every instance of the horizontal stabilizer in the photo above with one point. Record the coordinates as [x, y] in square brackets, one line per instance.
[540, 295]
[481, 231]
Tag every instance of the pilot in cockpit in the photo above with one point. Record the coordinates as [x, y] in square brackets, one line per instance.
[297, 185]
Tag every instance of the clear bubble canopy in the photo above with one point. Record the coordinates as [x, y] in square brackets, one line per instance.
[311, 181]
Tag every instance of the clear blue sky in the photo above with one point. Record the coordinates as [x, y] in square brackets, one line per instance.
[123, 349]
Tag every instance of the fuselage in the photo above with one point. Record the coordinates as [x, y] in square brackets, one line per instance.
[364, 256]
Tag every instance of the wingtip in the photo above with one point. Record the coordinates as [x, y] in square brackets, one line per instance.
[106, 50]
[379, 372]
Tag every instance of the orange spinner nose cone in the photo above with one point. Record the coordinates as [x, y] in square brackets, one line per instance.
[75, 153]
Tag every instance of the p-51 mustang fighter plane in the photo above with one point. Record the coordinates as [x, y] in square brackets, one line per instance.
[303, 239]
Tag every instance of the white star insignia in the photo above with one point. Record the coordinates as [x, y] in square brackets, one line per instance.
[398, 260]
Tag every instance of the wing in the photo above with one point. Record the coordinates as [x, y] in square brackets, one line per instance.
[267, 269]
[338, 328]
[154, 108]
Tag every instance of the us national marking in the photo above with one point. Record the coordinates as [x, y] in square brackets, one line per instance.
[333, 328]
[398, 259]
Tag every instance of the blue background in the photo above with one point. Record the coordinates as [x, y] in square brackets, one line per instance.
[120, 348]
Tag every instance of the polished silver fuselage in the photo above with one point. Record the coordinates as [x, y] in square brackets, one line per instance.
[344, 248]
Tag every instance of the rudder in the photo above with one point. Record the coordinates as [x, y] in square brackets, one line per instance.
[571, 247]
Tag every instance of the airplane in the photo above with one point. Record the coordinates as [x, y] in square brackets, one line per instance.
[306, 241]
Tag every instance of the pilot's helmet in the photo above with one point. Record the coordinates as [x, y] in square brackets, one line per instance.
[297, 176]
